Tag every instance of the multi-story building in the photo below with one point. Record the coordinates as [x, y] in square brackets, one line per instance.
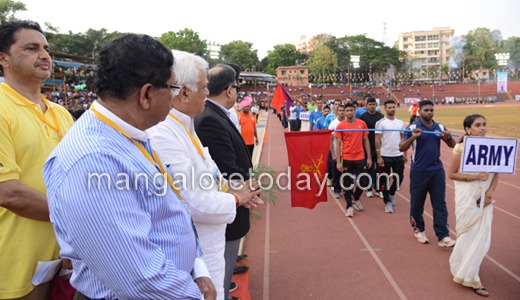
[293, 76]
[304, 44]
[427, 48]
[213, 50]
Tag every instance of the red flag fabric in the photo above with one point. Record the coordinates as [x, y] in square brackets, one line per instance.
[308, 153]
[278, 99]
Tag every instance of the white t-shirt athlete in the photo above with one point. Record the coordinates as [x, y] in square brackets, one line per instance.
[390, 139]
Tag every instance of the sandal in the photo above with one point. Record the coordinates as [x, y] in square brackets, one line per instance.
[480, 290]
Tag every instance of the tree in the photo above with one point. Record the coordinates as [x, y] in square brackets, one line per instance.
[281, 55]
[184, 40]
[240, 53]
[512, 46]
[482, 44]
[322, 60]
[431, 72]
[81, 44]
[9, 8]
[445, 69]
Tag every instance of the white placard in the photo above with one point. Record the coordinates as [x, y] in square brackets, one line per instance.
[517, 97]
[493, 155]
[305, 115]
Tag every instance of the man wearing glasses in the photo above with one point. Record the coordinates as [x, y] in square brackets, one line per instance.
[235, 114]
[128, 233]
[228, 149]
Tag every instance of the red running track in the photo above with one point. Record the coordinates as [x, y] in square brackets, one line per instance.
[297, 253]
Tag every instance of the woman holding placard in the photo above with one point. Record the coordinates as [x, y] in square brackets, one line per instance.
[473, 230]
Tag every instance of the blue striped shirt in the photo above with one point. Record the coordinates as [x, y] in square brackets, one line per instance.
[125, 241]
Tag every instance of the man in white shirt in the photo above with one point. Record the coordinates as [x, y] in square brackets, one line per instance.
[389, 158]
[211, 203]
[336, 174]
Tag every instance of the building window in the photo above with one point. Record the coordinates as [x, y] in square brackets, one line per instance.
[419, 52]
[447, 44]
[433, 52]
[447, 36]
[433, 37]
[405, 47]
[302, 72]
[283, 73]
[420, 38]
[420, 46]
[433, 45]
[405, 39]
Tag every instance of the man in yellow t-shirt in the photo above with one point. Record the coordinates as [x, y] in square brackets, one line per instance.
[30, 128]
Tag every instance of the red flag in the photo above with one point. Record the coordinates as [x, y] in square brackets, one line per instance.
[308, 154]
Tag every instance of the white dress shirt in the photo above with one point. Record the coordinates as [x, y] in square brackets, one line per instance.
[211, 210]
[235, 117]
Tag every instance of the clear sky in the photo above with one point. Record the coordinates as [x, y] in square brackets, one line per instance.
[268, 22]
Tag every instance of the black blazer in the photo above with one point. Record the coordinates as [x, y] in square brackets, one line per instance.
[228, 149]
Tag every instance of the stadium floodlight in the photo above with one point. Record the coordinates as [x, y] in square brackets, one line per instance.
[502, 58]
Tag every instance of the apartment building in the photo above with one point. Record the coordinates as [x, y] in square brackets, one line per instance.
[427, 48]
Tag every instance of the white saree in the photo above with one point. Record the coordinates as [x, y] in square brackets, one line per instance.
[473, 232]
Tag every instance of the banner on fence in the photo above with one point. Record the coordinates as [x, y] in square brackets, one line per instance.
[502, 82]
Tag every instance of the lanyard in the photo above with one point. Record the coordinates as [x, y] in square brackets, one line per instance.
[143, 150]
[38, 113]
[234, 106]
[195, 142]
[222, 186]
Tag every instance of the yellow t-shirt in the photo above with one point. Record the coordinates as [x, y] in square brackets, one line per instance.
[25, 144]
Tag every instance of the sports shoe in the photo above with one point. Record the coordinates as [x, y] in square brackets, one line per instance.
[350, 212]
[421, 237]
[357, 205]
[447, 242]
[369, 194]
[233, 286]
[388, 207]
[337, 195]
[329, 182]
[392, 199]
[380, 194]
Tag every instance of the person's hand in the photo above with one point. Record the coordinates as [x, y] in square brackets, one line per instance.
[339, 166]
[380, 162]
[248, 193]
[206, 288]
[417, 133]
[483, 176]
[256, 141]
[488, 201]
[446, 135]
[405, 158]
[66, 264]
[369, 163]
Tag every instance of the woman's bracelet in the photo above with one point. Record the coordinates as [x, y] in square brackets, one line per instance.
[488, 195]
[466, 177]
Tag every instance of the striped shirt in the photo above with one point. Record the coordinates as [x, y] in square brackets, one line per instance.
[124, 239]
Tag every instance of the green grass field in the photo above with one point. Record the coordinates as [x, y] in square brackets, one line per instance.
[501, 120]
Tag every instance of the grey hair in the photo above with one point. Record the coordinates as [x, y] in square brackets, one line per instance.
[187, 68]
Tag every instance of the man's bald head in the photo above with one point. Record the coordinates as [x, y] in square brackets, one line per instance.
[220, 78]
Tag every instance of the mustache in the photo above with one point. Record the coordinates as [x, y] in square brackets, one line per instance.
[42, 63]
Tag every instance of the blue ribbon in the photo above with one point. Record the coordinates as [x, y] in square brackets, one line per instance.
[402, 130]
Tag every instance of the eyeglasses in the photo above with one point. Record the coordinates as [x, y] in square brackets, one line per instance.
[176, 89]
[236, 87]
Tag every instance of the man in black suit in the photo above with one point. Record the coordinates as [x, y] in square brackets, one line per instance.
[228, 149]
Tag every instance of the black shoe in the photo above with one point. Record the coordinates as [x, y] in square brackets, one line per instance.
[240, 269]
[233, 287]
